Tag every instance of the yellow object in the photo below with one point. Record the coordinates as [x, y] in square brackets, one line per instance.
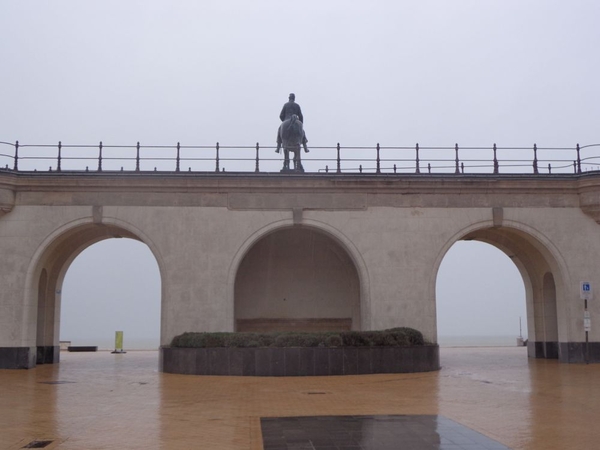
[118, 341]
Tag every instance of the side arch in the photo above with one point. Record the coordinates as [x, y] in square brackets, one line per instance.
[47, 270]
[544, 274]
[336, 235]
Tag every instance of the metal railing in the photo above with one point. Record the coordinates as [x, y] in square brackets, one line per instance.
[338, 159]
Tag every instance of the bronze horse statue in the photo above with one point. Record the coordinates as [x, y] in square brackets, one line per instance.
[290, 136]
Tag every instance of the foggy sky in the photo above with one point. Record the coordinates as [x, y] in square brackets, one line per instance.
[433, 72]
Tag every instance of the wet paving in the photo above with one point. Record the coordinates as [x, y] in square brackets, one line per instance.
[382, 432]
[103, 401]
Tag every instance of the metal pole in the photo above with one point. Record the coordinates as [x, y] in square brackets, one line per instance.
[137, 158]
[100, 157]
[417, 162]
[256, 169]
[495, 160]
[58, 165]
[16, 166]
[456, 151]
[217, 160]
[587, 337]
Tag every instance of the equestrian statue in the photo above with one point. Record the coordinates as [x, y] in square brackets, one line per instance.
[291, 135]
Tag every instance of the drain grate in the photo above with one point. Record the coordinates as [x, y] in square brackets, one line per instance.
[38, 444]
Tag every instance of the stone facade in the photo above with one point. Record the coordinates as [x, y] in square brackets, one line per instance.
[372, 245]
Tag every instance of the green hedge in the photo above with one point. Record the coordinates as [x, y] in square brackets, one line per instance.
[393, 337]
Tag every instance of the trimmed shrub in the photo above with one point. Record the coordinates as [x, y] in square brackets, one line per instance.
[241, 339]
[200, 340]
[393, 337]
[332, 340]
[415, 337]
[354, 339]
[289, 340]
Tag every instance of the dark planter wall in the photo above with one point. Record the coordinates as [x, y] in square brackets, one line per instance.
[291, 361]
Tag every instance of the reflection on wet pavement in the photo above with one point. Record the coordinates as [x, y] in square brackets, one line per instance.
[103, 401]
[371, 433]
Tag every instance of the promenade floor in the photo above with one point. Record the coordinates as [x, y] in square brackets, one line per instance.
[105, 401]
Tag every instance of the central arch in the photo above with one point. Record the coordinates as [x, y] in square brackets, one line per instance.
[297, 278]
[543, 277]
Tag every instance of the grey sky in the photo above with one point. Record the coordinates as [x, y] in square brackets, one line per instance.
[394, 72]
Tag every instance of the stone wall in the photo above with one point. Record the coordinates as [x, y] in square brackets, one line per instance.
[381, 241]
[293, 362]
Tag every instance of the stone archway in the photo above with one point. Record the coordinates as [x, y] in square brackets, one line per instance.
[47, 274]
[542, 278]
[297, 279]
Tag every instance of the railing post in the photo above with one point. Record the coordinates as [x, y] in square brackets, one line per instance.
[16, 166]
[256, 169]
[578, 160]
[535, 160]
[137, 158]
[339, 170]
[100, 157]
[417, 161]
[58, 165]
[178, 159]
[378, 160]
[456, 170]
[217, 159]
[495, 160]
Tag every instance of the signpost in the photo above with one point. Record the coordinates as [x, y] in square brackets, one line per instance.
[587, 321]
[586, 293]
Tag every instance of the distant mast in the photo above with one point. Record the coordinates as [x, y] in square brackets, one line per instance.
[520, 331]
[520, 341]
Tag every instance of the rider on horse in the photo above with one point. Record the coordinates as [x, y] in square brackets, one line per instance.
[290, 109]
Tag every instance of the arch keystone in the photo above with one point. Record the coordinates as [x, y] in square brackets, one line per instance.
[97, 212]
[497, 216]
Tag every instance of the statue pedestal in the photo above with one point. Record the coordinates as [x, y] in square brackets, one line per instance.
[288, 170]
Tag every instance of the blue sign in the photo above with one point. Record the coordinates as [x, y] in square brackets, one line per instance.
[585, 290]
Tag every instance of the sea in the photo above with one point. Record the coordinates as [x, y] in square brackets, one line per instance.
[477, 341]
[137, 343]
